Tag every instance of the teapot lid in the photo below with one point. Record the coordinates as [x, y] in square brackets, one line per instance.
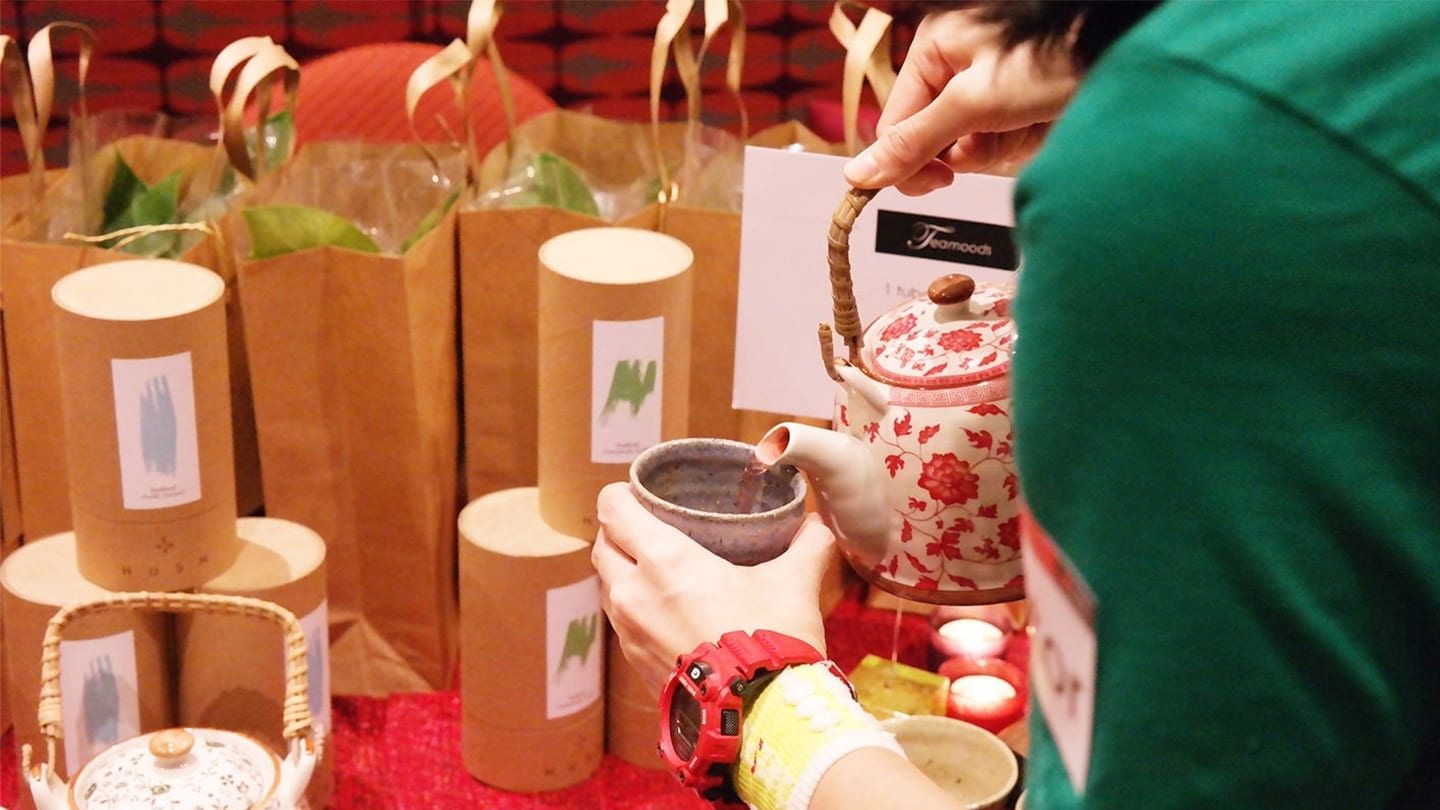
[959, 333]
[200, 768]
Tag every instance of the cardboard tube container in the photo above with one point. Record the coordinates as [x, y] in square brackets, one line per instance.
[114, 667]
[614, 366]
[632, 711]
[145, 390]
[532, 648]
[231, 669]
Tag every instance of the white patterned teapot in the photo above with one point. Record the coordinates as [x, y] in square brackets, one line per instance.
[917, 478]
[193, 768]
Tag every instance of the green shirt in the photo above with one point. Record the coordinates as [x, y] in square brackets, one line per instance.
[1227, 404]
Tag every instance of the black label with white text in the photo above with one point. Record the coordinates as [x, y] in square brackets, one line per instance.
[949, 240]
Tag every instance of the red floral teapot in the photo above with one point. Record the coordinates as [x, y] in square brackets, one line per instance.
[917, 479]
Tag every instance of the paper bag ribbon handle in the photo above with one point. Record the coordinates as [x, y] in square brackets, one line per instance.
[480, 25]
[22, 98]
[672, 34]
[230, 58]
[456, 62]
[688, 62]
[867, 57]
[31, 81]
[247, 69]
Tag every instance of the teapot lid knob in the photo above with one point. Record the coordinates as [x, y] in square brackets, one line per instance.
[171, 745]
[951, 289]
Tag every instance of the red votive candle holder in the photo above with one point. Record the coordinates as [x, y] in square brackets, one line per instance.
[989, 693]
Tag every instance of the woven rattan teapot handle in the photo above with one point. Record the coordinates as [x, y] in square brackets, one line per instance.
[296, 708]
[842, 287]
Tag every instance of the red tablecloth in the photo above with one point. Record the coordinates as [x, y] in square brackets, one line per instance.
[404, 751]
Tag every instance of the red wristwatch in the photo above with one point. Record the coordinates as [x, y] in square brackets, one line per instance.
[702, 704]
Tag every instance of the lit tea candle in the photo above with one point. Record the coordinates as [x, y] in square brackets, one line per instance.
[991, 693]
[981, 691]
[969, 638]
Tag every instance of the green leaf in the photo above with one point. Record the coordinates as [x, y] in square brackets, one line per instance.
[554, 181]
[124, 187]
[431, 220]
[130, 203]
[279, 229]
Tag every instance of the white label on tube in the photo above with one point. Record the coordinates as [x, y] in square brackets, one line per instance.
[628, 375]
[99, 698]
[156, 431]
[316, 625]
[574, 647]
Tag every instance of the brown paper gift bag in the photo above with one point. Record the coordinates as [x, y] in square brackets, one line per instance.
[626, 165]
[354, 374]
[17, 194]
[39, 246]
[704, 206]
[714, 232]
[710, 223]
[500, 233]
[499, 284]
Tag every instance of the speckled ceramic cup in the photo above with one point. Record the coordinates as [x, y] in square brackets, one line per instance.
[694, 484]
[974, 766]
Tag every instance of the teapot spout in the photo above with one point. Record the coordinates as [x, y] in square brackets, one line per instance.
[46, 788]
[849, 494]
[297, 767]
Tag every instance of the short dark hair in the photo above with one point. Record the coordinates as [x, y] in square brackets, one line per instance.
[1049, 24]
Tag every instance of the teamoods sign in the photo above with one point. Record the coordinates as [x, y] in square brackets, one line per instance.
[948, 240]
[898, 245]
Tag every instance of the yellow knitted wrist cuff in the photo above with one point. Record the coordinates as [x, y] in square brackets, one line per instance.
[798, 727]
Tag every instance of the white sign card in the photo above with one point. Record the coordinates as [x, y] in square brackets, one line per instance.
[156, 431]
[627, 368]
[574, 647]
[898, 245]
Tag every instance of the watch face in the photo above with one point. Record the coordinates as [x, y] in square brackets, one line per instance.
[684, 723]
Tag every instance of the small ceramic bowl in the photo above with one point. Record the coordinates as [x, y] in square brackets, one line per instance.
[694, 484]
[974, 766]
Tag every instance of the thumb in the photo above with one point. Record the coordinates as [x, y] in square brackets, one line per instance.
[965, 105]
[897, 153]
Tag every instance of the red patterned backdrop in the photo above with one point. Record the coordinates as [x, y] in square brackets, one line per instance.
[585, 54]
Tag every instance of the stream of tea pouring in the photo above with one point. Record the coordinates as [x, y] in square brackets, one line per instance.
[748, 492]
[747, 495]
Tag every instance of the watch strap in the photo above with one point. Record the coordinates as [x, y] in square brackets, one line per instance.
[767, 650]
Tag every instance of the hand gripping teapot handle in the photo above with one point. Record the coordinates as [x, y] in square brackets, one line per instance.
[842, 288]
[296, 708]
